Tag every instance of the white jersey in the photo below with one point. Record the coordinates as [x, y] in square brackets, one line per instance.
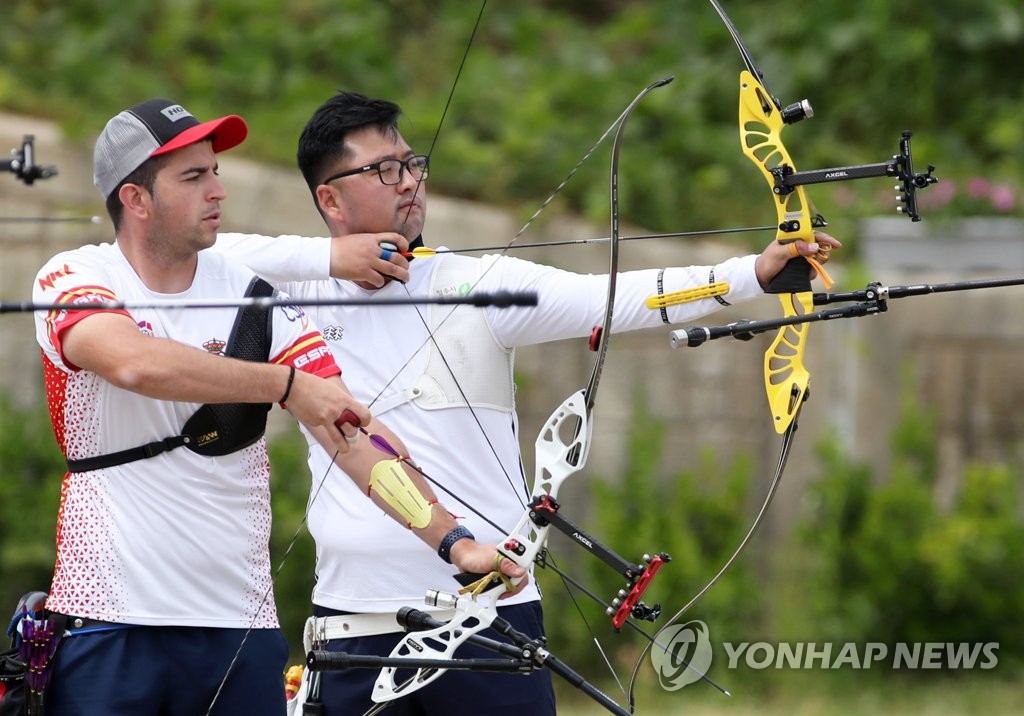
[365, 561]
[179, 538]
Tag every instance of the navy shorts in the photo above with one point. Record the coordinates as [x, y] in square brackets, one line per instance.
[168, 671]
[455, 693]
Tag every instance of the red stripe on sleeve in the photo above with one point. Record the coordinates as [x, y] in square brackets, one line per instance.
[310, 354]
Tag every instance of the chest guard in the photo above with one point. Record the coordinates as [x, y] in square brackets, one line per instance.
[216, 428]
[463, 345]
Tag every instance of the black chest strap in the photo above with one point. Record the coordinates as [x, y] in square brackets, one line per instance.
[216, 428]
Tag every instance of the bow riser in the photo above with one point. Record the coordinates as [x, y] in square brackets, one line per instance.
[471, 617]
[556, 459]
[761, 123]
[761, 126]
[786, 378]
[522, 545]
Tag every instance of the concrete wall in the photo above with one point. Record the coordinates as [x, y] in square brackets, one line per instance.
[962, 348]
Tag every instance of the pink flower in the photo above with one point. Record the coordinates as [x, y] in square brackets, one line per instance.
[978, 187]
[1002, 198]
[937, 196]
[845, 196]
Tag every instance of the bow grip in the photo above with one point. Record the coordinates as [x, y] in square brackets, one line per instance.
[466, 579]
[795, 277]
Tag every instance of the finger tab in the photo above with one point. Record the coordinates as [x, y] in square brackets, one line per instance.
[347, 418]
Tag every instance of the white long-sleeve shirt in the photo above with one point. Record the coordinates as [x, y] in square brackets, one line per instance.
[365, 562]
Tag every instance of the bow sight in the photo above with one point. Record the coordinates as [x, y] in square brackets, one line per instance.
[901, 166]
[786, 179]
[22, 163]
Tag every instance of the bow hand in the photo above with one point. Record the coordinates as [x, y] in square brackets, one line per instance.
[782, 268]
[484, 568]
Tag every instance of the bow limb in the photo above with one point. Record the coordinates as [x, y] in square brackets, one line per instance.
[656, 642]
[601, 335]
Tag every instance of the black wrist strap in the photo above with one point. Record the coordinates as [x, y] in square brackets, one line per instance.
[444, 550]
[288, 388]
[661, 292]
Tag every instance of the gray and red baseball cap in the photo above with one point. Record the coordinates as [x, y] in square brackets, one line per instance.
[155, 127]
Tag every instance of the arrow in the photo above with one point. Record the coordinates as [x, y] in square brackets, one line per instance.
[425, 252]
[49, 219]
[499, 299]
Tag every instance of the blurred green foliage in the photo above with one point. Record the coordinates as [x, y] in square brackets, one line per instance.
[31, 468]
[543, 80]
[892, 558]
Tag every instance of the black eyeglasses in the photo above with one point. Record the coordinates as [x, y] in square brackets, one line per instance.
[391, 171]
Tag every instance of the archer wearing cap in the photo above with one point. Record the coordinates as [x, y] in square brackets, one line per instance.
[163, 556]
[154, 128]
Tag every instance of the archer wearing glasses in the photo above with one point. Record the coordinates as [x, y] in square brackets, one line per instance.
[443, 380]
[391, 171]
